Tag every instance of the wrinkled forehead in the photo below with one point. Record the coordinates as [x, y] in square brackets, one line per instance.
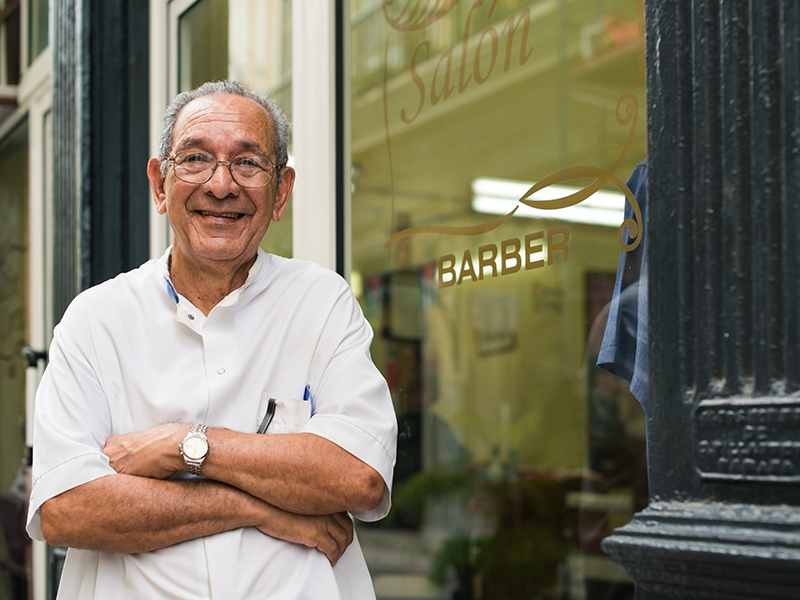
[224, 117]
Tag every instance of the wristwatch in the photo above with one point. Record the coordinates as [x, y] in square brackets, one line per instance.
[194, 448]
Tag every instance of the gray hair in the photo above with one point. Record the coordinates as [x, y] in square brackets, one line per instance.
[280, 124]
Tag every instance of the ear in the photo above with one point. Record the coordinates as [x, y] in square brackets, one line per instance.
[157, 185]
[282, 196]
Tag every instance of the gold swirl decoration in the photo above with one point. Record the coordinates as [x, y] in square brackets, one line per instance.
[627, 111]
[413, 15]
[601, 177]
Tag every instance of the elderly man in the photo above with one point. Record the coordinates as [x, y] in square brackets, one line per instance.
[149, 419]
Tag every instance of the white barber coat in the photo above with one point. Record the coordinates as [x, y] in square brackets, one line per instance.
[130, 353]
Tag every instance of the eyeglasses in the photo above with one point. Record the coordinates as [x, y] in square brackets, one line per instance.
[192, 166]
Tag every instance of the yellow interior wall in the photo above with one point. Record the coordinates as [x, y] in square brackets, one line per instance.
[531, 398]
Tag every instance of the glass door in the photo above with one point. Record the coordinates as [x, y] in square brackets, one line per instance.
[490, 145]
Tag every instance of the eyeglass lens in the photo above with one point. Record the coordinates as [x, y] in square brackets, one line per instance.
[199, 167]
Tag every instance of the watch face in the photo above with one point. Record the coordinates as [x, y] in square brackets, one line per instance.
[195, 447]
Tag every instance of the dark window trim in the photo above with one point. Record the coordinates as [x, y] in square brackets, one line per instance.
[342, 160]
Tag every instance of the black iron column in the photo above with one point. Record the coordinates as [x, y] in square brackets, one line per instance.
[100, 142]
[70, 48]
[724, 235]
[120, 192]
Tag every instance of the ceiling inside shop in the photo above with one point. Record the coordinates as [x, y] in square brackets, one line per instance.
[555, 111]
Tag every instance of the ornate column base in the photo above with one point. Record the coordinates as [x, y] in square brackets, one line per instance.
[704, 550]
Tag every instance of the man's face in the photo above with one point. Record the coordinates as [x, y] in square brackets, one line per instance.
[220, 220]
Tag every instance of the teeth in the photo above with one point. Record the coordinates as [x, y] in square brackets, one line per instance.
[225, 215]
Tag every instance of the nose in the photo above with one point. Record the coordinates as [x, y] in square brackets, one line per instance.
[222, 184]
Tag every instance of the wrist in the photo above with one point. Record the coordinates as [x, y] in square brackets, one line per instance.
[173, 449]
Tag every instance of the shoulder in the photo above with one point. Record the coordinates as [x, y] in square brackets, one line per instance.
[310, 292]
[135, 290]
[127, 285]
[306, 275]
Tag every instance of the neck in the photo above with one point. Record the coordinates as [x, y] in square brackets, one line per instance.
[206, 285]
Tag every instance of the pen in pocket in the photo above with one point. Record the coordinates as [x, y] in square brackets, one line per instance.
[267, 417]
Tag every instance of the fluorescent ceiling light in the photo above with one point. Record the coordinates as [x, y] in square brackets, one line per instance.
[500, 196]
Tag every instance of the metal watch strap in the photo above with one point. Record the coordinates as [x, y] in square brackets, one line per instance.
[195, 466]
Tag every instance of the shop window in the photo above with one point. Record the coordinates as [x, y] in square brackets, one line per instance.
[203, 43]
[37, 28]
[9, 43]
[490, 143]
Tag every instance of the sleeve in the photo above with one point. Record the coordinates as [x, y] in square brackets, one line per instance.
[71, 417]
[352, 406]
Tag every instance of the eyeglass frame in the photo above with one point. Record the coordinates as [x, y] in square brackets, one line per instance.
[229, 163]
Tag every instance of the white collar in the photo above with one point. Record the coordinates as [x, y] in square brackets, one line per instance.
[256, 271]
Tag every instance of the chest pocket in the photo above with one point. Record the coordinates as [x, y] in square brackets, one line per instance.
[284, 415]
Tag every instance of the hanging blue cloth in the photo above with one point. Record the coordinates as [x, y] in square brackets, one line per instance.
[623, 351]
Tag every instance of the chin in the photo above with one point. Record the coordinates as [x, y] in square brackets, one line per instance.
[226, 254]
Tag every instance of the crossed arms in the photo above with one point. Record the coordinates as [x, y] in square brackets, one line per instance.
[294, 487]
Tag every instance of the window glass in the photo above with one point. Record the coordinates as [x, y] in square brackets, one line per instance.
[472, 122]
[13, 333]
[37, 28]
[247, 41]
[10, 44]
[203, 43]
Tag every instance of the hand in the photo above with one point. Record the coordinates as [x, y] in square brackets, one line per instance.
[330, 534]
[153, 452]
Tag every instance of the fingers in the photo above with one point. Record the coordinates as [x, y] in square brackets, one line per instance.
[346, 522]
[339, 530]
[116, 449]
[330, 534]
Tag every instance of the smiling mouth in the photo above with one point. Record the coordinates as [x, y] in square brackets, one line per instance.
[230, 215]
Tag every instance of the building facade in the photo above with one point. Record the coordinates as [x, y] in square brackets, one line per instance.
[463, 164]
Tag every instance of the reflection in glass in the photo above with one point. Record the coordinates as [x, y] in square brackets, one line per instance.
[516, 456]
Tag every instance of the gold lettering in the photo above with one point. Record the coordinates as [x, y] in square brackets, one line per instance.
[447, 88]
[511, 262]
[448, 269]
[467, 268]
[531, 249]
[480, 79]
[418, 81]
[510, 251]
[462, 84]
[554, 246]
[487, 261]
[512, 28]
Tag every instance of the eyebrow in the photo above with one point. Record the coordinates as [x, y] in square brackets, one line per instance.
[253, 147]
